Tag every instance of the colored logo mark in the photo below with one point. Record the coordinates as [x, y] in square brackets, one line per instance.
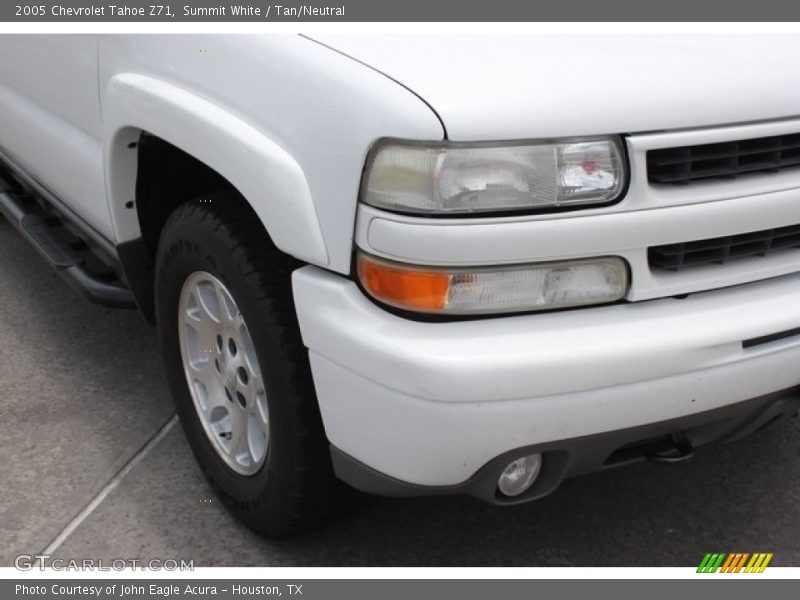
[736, 562]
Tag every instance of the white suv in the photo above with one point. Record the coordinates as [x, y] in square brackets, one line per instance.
[425, 265]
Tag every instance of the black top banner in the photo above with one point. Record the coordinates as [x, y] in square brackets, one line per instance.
[394, 11]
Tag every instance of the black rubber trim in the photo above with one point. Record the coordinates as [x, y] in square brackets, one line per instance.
[774, 337]
[578, 456]
[137, 263]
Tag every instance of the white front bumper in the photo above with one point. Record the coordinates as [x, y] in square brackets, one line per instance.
[431, 403]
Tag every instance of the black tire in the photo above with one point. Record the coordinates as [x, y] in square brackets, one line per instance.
[295, 490]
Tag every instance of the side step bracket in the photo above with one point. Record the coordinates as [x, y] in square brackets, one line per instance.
[58, 254]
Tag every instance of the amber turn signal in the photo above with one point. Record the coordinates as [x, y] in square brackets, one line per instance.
[403, 287]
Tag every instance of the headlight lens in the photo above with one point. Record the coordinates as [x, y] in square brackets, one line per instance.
[456, 178]
[461, 291]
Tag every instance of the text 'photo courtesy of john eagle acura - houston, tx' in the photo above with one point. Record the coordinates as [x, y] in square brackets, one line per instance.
[394, 265]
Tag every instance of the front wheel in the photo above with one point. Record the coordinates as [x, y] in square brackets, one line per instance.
[237, 368]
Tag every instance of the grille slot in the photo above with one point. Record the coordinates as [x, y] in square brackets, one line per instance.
[674, 257]
[682, 165]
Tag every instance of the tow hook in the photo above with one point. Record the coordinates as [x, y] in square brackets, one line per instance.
[681, 451]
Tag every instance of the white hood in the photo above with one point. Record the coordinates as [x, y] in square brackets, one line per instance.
[546, 85]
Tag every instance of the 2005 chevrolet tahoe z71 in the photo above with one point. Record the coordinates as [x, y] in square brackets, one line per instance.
[425, 265]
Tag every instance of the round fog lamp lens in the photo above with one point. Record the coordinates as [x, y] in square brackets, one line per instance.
[519, 475]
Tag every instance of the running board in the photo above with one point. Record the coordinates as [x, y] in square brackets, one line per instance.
[58, 254]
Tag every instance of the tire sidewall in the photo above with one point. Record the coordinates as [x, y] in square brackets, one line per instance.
[185, 248]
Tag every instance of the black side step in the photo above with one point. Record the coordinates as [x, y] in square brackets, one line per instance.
[58, 254]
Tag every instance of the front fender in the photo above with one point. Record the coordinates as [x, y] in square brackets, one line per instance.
[269, 178]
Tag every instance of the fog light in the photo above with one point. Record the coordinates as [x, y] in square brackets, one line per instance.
[519, 475]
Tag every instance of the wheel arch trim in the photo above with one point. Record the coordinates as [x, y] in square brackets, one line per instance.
[263, 172]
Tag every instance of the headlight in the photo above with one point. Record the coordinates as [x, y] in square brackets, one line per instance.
[460, 178]
[463, 291]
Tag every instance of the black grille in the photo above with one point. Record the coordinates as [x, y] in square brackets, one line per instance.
[674, 257]
[682, 165]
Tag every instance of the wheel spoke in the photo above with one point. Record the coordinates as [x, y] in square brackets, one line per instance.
[209, 379]
[257, 439]
[249, 351]
[238, 441]
[201, 343]
[204, 376]
[228, 309]
[208, 300]
[205, 392]
[258, 400]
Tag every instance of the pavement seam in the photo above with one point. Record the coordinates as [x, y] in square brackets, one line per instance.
[112, 484]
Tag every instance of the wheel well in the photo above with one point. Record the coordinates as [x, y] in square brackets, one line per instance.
[166, 177]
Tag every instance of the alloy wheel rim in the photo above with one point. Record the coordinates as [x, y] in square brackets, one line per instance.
[223, 373]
